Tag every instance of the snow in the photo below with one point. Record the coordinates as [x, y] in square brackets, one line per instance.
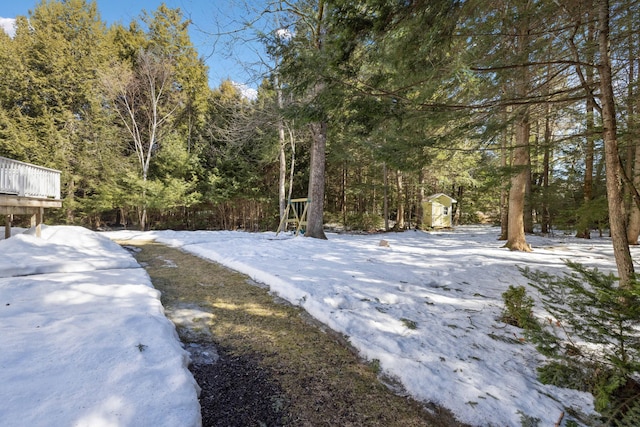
[84, 338]
[427, 307]
[85, 341]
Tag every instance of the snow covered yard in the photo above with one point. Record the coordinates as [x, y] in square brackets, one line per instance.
[427, 307]
[85, 341]
[83, 338]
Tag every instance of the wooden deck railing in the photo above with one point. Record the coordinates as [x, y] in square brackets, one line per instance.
[27, 180]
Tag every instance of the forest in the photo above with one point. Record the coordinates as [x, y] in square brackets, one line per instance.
[524, 111]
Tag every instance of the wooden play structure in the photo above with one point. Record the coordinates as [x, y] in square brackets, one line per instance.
[295, 216]
[27, 189]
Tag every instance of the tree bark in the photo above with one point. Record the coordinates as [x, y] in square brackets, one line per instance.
[633, 227]
[282, 178]
[504, 191]
[421, 200]
[614, 171]
[399, 202]
[584, 232]
[386, 197]
[546, 171]
[457, 207]
[71, 190]
[315, 213]
[528, 206]
[516, 240]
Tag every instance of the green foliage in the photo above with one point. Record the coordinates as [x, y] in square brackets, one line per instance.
[594, 335]
[375, 366]
[631, 413]
[364, 222]
[528, 421]
[409, 324]
[567, 375]
[589, 215]
[518, 308]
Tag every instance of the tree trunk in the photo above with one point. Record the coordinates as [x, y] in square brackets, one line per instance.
[315, 213]
[546, 216]
[399, 202]
[143, 209]
[504, 191]
[282, 178]
[516, 240]
[457, 208]
[386, 197]
[421, 199]
[528, 206]
[633, 227]
[71, 193]
[343, 193]
[614, 172]
[585, 232]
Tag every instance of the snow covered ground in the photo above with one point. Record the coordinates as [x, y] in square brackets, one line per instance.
[83, 337]
[84, 341]
[427, 307]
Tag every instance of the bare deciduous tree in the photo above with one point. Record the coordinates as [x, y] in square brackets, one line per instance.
[146, 98]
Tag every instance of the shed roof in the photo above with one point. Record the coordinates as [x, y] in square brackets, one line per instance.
[438, 195]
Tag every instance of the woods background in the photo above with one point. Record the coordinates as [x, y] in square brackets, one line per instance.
[503, 105]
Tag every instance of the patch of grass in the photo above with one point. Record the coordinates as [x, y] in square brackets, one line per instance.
[409, 324]
[323, 380]
[375, 366]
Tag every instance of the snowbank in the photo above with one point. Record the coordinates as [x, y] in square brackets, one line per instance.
[84, 338]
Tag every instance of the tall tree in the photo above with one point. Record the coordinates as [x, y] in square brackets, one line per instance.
[319, 129]
[167, 33]
[54, 101]
[304, 68]
[146, 100]
[614, 171]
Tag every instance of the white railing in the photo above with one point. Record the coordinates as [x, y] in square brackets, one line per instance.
[27, 180]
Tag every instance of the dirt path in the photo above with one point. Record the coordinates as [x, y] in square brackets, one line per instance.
[262, 362]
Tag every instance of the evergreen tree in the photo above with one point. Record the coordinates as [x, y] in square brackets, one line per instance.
[51, 99]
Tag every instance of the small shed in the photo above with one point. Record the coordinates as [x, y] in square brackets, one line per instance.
[437, 211]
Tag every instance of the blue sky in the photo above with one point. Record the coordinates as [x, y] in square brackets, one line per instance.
[234, 57]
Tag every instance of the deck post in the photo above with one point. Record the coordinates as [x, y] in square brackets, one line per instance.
[39, 219]
[8, 219]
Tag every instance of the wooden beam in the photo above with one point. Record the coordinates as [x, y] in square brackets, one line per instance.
[9, 210]
[7, 200]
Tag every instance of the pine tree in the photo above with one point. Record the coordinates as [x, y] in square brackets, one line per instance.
[52, 99]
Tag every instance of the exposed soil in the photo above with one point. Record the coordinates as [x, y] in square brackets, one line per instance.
[238, 392]
[263, 362]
